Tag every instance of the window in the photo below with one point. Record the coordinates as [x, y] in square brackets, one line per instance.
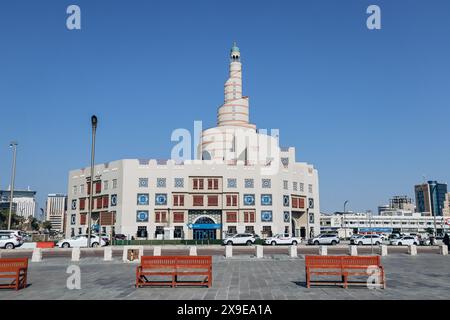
[105, 201]
[99, 203]
[114, 183]
[250, 229]
[295, 186]
[159, 230]
[213, 201]
[82, 189]
[178, 200]
[213, 184]
[98, 187]
[75, 190]
[198, 184]
[161, 182]
[232, 183]
[105, 185]
[178, 217]
[231, 217]
[178, 232]
[266, 199]
[302, 187]
[266, 183]
[178, 183]
[232, 230]
[143, 182]
[231, 200]
[310, 188]
[298, 203]
[249, 183]
[198, 201]
[82, 204]
[267, 231]
[285, 184]
[160, 217]
[249, 216]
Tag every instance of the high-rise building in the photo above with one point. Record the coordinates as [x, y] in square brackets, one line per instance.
[55, 211]
[446, 210]
[430, 197]
[24, 201]
[241, 181]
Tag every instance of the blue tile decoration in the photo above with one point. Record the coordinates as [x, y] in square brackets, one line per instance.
[142, 216]
[249, 183]
[249, 199]
[74, 204]
[287, 216]
[311, 203]
[179, 183]
[266, 199]
[161, 182]
[142, 199]
[232, 183]
[286, 201]
[266, 216]
[143, 182]
[113, 200]
[266, 183]
[161, 199]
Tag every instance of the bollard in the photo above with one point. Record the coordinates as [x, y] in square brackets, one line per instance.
[108, 254]
[443, 250]
[323, 251]
[353, 251]
[412, 250]
[193, 251]
[76, 254]
[228, 251]
[132, 254]
[293, 251]
[157, 251]
[259, 252]
[37, 255]
[384, 250]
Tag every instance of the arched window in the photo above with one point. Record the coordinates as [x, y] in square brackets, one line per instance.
[204, 220]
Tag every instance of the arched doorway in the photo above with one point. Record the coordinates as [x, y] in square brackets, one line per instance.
[204, 229]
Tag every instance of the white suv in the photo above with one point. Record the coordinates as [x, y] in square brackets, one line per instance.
[324, 239]
[240, 238]
[367, 239]
[9, 241]
[282, 238]
[79, 242]
[405, 241]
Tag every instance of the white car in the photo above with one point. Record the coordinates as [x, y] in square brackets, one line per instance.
[9, 241]
[326, 238]
[240, 238]
[405, 241]
[374, 239]
[80, 242]
[17, 233]
[282, 238]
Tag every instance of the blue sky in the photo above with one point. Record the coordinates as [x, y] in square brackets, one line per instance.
[370, 109]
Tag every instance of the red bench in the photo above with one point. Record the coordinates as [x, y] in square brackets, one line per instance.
[343, 266]
[174, 267]
[15, 269]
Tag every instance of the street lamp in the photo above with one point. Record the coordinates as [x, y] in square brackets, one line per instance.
[13, 145]
[345, 226]
[94, 129]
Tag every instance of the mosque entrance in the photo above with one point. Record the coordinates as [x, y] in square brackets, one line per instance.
[204, 228]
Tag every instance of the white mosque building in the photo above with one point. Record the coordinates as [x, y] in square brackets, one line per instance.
[242, 181]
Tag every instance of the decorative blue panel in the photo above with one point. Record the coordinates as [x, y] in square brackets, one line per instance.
[143, 182]
[249, 183]
[161, 182]
[73, 219]
[142, 199]
[161, 199]
[311, 203]
[249, 199]
[266, 216]
[266, 199]
[232, 183]
[286, 201]
[142, 216]
[266, 183]
[74, 204]
[179, 183]
[287, 216]
[113, 200]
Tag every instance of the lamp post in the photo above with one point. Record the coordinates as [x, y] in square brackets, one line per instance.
[94, 129]
[345, 226]
[13, 145]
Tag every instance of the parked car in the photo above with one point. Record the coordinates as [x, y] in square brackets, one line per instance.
[80, 241]
[327, 238]
[367, 239]
[405, 241]
[9, 241]
[282, 238]
[120, 236]
[17, 233]
[240, 238]
[355, 236]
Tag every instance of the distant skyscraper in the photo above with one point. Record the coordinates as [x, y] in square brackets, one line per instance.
[430, 197]
[56, 211]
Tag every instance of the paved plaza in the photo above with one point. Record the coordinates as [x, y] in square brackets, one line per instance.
[240, 278]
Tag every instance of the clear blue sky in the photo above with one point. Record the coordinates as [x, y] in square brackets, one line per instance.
[370, 109]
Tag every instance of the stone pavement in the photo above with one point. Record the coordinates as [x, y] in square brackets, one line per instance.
[243, 278]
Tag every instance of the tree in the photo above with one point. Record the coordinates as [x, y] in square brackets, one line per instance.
[47, 225]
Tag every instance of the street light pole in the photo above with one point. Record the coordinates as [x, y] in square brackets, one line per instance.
[94, 129]
[13, 145]
[345, 225]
